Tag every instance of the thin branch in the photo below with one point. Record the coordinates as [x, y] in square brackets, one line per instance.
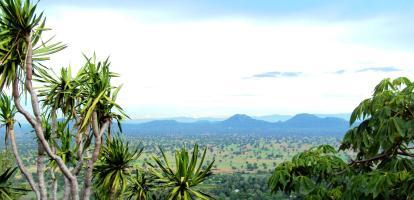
[104, 127]
[16, 98]
[383, 155]
[21, 165]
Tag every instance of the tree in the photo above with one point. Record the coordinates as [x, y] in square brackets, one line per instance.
[381, 136]
[89, 99]
[114, 166]
[21, 30]
[183, 182]
[99, 108]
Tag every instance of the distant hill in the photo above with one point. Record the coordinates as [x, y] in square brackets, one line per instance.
[267, 118]
[312, 121]
[273, 118]
[301, 124]
[240, 120]
[344, 116]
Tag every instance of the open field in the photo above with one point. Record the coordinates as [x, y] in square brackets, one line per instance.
[240, 161]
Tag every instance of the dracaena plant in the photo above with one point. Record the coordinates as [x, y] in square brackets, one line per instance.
[141, 186]
[21, 31]
[98, 108]
[22, 49]
[98, 93]
[89, 98]
[185, 181]
[114, 167]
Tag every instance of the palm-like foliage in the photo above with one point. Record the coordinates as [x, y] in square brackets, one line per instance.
[113, 167]
[184, 181]
[7, 112]
[62, 142]
[19, 26]
[58, 92]
[17, 23]
[140, 186]
[65, 149]
[97, 92]
[7, 190]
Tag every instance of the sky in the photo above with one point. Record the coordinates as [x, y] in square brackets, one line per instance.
[218, 58]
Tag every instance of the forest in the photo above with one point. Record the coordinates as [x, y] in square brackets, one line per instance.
[75, 146]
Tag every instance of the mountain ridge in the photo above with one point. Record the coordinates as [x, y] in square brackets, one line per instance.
[267, 118]
[300, 124]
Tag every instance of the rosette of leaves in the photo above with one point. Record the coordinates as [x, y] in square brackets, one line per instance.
[185, 181]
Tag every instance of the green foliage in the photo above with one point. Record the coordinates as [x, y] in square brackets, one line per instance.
[19, 25]
[387, 122]
[58, 91]
[7, 113]
[8, 191]
[61, 141]
[114, 166]
[140, 186]
[236, 186]
[97, 92]
[6, 159]
[382, 137]
[184, 181]
[311, 174]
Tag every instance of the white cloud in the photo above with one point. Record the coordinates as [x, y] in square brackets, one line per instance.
[172, 68]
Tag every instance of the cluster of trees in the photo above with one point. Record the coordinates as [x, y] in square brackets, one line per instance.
[72, 117]
[382, 138]
[242, 186]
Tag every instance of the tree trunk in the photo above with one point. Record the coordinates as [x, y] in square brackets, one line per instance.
[87, 185]
[20, 163]
[79, 153]
[89, 169]
[66, 193]
[36, 123]
[41, 170]
[97, 132]
[53, 135]
[54, 184]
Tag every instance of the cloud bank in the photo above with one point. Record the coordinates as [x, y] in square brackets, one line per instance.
[379, 69]
[276, 74]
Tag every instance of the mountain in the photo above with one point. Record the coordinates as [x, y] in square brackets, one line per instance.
[267, 118]
[344, 116]
[312, 121]
[273, 118]
[301, 124]
[241, 120]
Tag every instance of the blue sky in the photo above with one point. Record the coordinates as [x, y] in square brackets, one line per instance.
[218, 58]
[327, 10]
